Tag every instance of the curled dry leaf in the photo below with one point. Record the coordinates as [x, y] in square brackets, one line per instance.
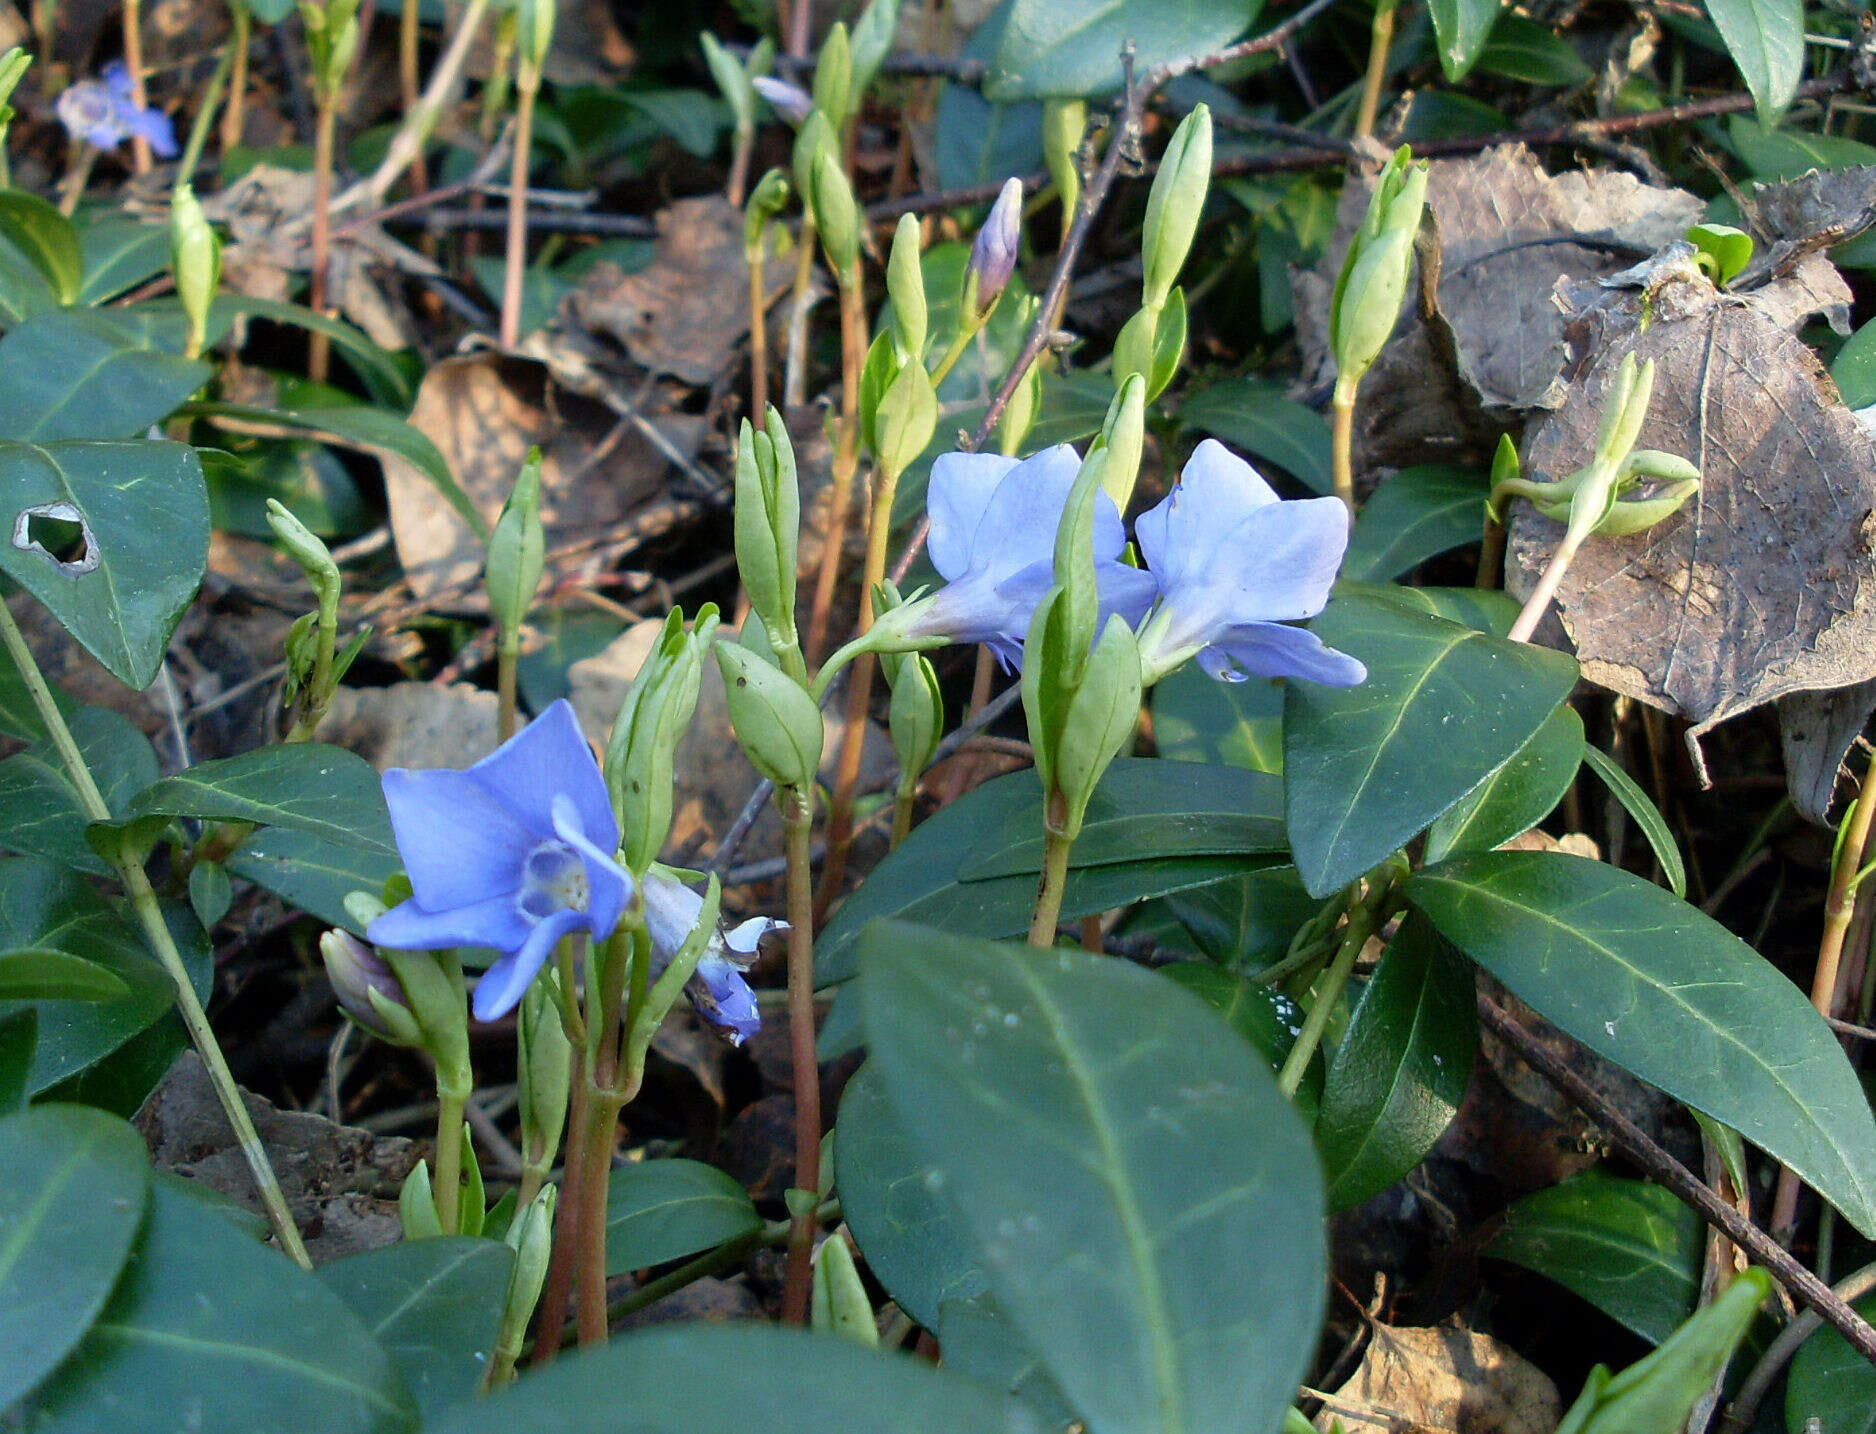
[1442, 1381]
[1759, 587]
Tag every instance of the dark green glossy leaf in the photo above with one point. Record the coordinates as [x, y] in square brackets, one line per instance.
[1833, 1384]
[1248, 921]
[978, 1340]
[47, 240]
[1854, 368]
[1773, 154]
[1521, 49]
[1651, 983]
[1628, 1247]
[1237, 724]
[1647, 816]
[1072, 47]
[1417, 514]
[358, 350]
[1268, 1019]
[1255, 417]
[893, 1201]
[659, 1210]
[1476, 608]
[41, 813]
[19, 1033]
[145, 516]
[1145, 1205]
[313, 874]
[434, 1305]
[1460, 28]
[1766, 40]
[978, 141]
[208, 1330]
[71, 374]
[1369, 767]
[73, 1183]
[36, 974]
[18, 715]
[1518, 795]
[701, 1378]
[324, 791]
[120, 253]
[1398, 1075]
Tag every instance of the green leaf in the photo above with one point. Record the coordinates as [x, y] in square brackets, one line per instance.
[208, 1330]
[1773, 154]
[1145, 1204]
[43, 905]
[121, 585]
[1398, 1076]
[1369, 767]
[978, 1340]
[976, 139]
[1521, 49]
[119, 254]
[371, 361]
[1831, 1383]
[1248, 921]
[19, 717]
[1460, 29]
[1723, 250]
[36, 974]
[1854, 368]
[1268, 1019]
[19, 1033]
[995, 825]
[1072, 47]
[313, 874]
[369, 430]
[1236, 724]
[310, 787]
[1255, 417]
[41, 813]
[1651, 983]
[1417, 514]
[1647, 816]
[894, 1203]
[659, 1210]
[1629, 1248]
[433, 1305]
[1476, 608]
[47, 240]
[71, 374]
[73, 1183]
[1517, 796]
[1766, 40]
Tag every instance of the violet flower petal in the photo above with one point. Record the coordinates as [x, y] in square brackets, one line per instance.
[1270, 649]
[725, 999]
[459, 840]
[156, 129]
[503, 984]
[959, 491]
[493, 921]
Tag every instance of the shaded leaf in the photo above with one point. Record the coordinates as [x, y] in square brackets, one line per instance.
[1255, 417]
[1647, 816]
[1198, 719]
[46, 238]
[1072, 47]
[1517, 796]
[119, 253]
[1417, 514]
[41, 813]
[70, 373]
[1521, 49]
[36, 974]
[324, 791]
[1833, 1384]
[978, 140]
[313, 874]
[1766, 40]
[659, 1210]
[1461, 28]
[1266, 1018]
[19, 1033]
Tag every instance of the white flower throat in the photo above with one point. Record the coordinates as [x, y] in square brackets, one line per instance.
[553, 878]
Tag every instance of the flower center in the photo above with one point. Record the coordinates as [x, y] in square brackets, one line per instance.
[553, 878]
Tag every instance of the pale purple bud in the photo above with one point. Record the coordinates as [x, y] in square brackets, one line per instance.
[356, 971]
[791, 102]
[993, 256]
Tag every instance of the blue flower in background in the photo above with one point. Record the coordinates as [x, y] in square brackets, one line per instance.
[513, 853]
[717, 990]
[1235, 565]
[103, 113]
[993, 523]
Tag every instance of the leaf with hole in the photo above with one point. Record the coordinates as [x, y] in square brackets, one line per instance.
[1145, 1206]
[661, 1210]
[1653, 984]
[73, 1183]
[130, 521]
[1370, 767]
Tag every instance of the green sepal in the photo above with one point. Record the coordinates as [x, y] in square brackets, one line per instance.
[776, 721]
[839, 1304]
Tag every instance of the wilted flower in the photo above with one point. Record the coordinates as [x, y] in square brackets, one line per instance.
[993, 524]
[791, 102]
[103, 113]
[717, 990]
[1235, 565]
[993, 254]
[513, 853]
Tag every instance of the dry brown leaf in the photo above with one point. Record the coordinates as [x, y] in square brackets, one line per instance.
[1758, 587]
[1442, 1381]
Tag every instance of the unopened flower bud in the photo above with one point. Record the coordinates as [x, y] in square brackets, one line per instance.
[1123, 439]
[642, 751]
[1100, 718]
[543, 1072]
[835, 214]
[534, 36]
[776, 721]
[305, 548]
[1174, 205]
[13, 66]
[768, 523]
[993, 255]
[833, 76]
[917, 714]
[905, 283]
[766, 202]
[368, 990]
[907, 417]
[815, 138]
[332, 39]
[1063, 124]
[839, 1304]
[195, 262]
[416, 1205]
[1373, 282]
[791, 102]
[517, 551]
[733, 81]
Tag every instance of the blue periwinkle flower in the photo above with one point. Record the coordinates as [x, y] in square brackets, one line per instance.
[102, 112]
[718, 989]
[993, 523]
[1235, 565]
[513, 853]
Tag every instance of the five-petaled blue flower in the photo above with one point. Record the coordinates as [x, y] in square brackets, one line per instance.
[993, 523]
[1235, 565]
[103, 113]
[717, 990]
[513, 853]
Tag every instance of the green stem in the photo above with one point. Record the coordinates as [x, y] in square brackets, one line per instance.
[952, 355]
[902, 805]
[1363, 921]
[562, 1266]
[528, 84]
[797, 825]
[156, 931]
[1538, 603]
[1342, 445]
[234, 118]
[204, 119]
[1380, 37]
[325, 128]
[1048, 914]
[447, 1187]
[507, 660]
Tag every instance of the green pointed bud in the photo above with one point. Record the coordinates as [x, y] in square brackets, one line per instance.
[1074, 568]
[768, 521]
[1506, 470]
[472, 1196]
[1064, 122]
[1174, 205]
[543, 1071]
[1372, 284]
[916, 719]
[1046, 694]
[766, 202]
[1623, 420]
[835, 214]
[905, 283]
[839, 1304]
[1637, 515]
[1134, 347]
[195, 262]
[1657, 1394]
[906, 420]
[815, 138]
[416, 1205]
[776, 721]
[531, 1236]
[368, 992]
[517, 550]
[642, 749]
[994, 253]
[13, 66]
[434, 991]
[332, 40]
[872, 42]
[534, 36]
[305, 548]
[1123, 439]
[1099, 720]
[732, 80]
[1652, 463]
[833, 76]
